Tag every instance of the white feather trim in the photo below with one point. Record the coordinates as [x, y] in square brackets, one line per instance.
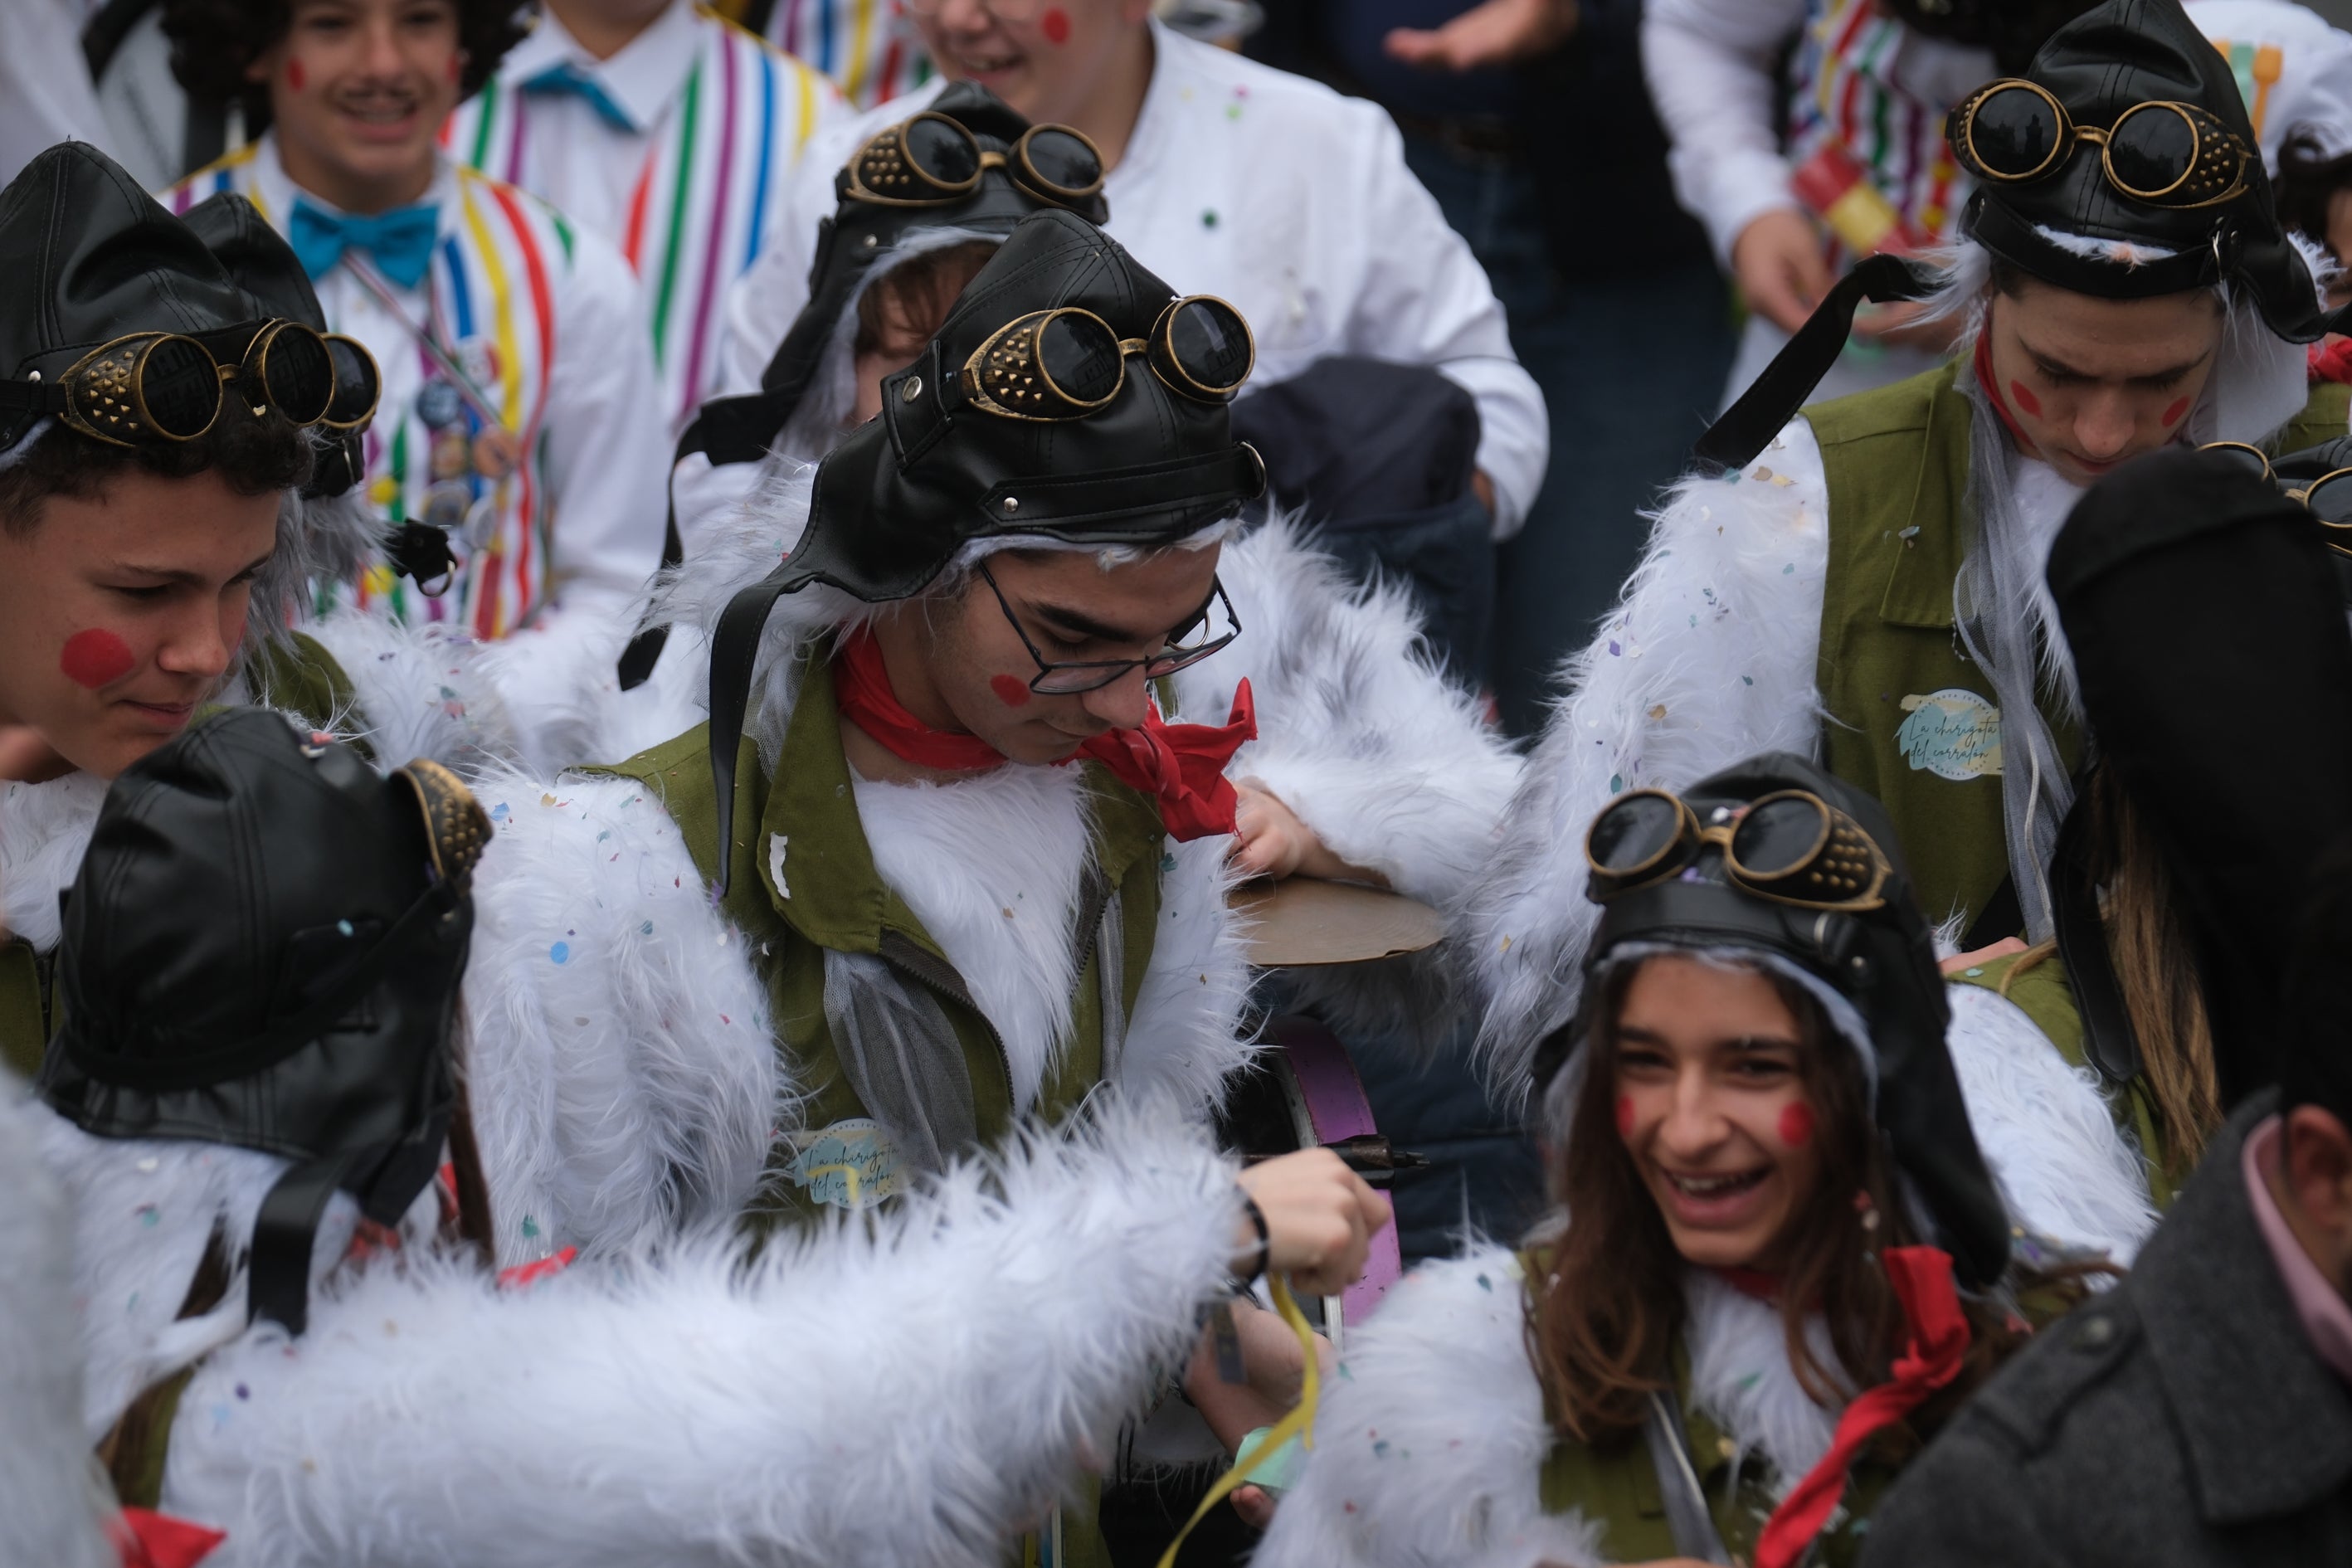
[906, 1389]
[420, 691]
[991, 866]
[1709, 657]
[2065, 1169]
[1186, 1040]
[44, 830]
[619, 1065]
[555, 676]
[1432, 1438]
[47, 1492]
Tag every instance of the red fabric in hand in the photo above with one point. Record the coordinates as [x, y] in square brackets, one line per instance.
[2331, 359]
[1922, 1278]
[1181, 766]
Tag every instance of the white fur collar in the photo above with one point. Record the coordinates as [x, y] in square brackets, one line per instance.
[44, 830]
[991, 866]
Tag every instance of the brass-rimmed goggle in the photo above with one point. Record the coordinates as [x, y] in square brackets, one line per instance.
[1068, 363]
[147, 387]
[2328, 498]
[1791, 847]
[931, 160]
[2166, 153]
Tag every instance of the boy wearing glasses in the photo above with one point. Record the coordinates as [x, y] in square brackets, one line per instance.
[1258, 187]
[519, 410]
[665, 129]
[1863, 581]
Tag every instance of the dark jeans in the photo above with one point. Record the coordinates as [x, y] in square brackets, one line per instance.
[1630, 369]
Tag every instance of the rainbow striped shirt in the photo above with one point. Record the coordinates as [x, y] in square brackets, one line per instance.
[1849, 89]
[492, 297]
[868, 47]
[702, 179]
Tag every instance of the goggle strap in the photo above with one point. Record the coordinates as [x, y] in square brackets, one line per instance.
[1748, 426]
[33, 396]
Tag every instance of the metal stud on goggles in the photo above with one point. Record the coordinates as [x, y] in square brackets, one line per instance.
[146, 387]
[2328, 498]
[2162, 152]
[1791, 847]
[931, 160]
[1066, 363]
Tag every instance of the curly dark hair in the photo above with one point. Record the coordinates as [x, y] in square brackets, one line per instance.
[213, 42]
[2307, 182]
[253, 455]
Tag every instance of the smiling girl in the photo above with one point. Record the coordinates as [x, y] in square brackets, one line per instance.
[1776, 1259]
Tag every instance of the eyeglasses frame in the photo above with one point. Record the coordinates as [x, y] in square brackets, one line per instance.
[1114, 669]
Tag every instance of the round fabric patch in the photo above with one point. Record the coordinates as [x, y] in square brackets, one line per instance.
[1953, 733]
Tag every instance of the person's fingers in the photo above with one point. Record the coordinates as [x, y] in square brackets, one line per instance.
[1255, 1506]
[2002, 948]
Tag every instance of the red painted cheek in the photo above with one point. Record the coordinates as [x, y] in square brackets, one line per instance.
[2023, 395]
[1055, 25]
[2172, 414]
[96, 658]
[1796, 1124]
[1624, 1116]
[294, 75]
[1009, 691]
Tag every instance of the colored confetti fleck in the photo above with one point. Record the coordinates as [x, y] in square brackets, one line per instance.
[1658, 710]
[147, 1213]
[1747, 681]
[1233, 111]
[1486, 1284]
[344, 927]
[243, 1392]
[561, 953]
[1614, 651]
[646, 928]
[1972, 973]
[1167, 863]
[1616, 783]
[1790, 570]
[1208, 218]
[499, 813]
[529, 1228]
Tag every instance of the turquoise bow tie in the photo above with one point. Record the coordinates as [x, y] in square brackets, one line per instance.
[400, 241]
[564, 77]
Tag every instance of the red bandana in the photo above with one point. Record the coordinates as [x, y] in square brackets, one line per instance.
[2331, 359]
[145, 1539]
[1922, 1278]
[1183, 766]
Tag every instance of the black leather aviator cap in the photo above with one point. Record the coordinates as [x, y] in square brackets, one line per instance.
[2103, 63]
[263, 948]
[1146, 467]
[1881, 960]
[88, 256]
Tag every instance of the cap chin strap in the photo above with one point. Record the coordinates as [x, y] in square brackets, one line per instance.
[283, 1233]
[1748, 426]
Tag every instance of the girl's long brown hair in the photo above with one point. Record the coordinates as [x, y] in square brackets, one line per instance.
[1608, 1313]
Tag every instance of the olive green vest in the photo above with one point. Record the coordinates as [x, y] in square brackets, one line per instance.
[1911, 719]
[299, 676]
[803, 823]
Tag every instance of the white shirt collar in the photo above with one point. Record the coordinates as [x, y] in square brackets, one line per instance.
[644, 77]
[279, 190]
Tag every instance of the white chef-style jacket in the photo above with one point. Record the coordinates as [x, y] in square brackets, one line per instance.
[543, 319]
[1272, 192]
[688, 190]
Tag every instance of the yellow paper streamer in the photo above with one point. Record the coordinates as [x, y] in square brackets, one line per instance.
[1299, 1422]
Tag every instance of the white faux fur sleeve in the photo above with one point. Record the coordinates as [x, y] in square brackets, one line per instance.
[911, 1389]
[1431, 1442]
[1393, 766]
[46, 1494]
[422, 691]
[1185, 1039]
[619, 1067]
[1709, 659]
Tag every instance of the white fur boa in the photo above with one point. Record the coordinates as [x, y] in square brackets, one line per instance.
[48, 1495]
[44, 830]
[619, 1066]
[908, 1388]
[1709, 659]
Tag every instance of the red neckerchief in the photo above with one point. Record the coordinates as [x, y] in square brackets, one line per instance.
[1922, 1278]
[2331, 359]
[1753, 1283]
[145, 1539]
[1181, 766]
[1992, 391]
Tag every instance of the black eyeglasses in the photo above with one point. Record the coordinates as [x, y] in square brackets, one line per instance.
[1068, 679]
